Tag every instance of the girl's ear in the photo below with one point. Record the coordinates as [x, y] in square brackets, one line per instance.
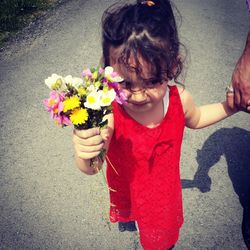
[177, 65]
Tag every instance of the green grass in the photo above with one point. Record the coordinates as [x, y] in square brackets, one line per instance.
[16, 14]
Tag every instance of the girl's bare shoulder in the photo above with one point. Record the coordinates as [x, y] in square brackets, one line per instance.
[185, 96]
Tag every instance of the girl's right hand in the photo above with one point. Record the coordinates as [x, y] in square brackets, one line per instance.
[88, 143]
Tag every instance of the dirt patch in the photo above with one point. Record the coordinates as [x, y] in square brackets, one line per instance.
[27, 19]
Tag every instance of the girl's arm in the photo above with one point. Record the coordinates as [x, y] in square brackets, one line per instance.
[88, 144]
[203, 116]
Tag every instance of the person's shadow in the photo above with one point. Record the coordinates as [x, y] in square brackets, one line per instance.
[234, 144]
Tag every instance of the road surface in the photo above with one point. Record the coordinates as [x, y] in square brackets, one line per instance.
[46, 203]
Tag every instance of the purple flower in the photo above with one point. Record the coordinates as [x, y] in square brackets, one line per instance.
[121, 97]
[113, 85]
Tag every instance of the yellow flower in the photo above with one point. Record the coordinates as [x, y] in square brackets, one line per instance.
[82, 91]
[71, 103]
[79, 116]
[97, 84]
[105, 89]
[94, 75]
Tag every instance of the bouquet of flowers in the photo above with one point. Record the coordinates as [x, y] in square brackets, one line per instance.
[83, 102]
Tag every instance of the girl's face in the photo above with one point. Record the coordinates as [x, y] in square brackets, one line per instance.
[142, 95]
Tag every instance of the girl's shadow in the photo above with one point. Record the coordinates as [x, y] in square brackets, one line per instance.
[234, 144]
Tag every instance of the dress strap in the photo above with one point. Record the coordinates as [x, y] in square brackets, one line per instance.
[166, 102]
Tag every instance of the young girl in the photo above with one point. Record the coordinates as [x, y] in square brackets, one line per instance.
[144, 136]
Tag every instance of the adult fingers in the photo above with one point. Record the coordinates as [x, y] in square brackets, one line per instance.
[230, 100]
[237, 94]
[248, 107]
[245, 97]
[241, 96]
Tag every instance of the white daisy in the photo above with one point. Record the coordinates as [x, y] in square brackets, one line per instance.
[107, 97]
[93, 100]
[111, 75]
[55, 82]
[74, 81]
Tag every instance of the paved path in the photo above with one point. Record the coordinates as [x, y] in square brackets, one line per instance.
[46, 203]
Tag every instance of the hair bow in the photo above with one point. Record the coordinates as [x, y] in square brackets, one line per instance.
[148, 3]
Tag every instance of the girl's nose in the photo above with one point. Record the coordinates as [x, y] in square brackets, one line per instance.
[138, 96]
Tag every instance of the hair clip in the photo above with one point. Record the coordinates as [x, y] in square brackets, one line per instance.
[148, 3]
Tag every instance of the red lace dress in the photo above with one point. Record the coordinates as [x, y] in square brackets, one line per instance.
[143, 174]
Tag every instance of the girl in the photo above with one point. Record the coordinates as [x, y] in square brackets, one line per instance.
[144, 136]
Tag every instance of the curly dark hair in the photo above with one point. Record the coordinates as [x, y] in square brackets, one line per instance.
[149, 31]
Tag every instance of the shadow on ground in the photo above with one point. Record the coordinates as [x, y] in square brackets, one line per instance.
[234, 145]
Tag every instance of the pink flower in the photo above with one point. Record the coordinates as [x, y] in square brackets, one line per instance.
[100, 71]
[54, 104]
[121, 97]
[87, 73]
[62, 120]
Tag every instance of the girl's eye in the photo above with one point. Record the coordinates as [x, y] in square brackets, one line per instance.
[125, 84]
[153, 83]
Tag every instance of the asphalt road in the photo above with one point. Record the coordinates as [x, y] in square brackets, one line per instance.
[46, 203]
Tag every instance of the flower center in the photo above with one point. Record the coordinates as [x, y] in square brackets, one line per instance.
[51, 102]
[106, 100]
[91, 99]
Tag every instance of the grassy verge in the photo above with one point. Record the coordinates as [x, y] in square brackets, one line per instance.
[16, 14]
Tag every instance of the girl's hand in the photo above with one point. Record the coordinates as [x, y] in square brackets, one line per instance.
[88, 143]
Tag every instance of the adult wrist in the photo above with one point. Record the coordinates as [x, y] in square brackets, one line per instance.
[247, 47]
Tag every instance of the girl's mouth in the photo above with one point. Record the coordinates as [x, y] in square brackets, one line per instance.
[139, 104]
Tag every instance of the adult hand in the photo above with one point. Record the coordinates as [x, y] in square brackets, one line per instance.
[241, 81]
